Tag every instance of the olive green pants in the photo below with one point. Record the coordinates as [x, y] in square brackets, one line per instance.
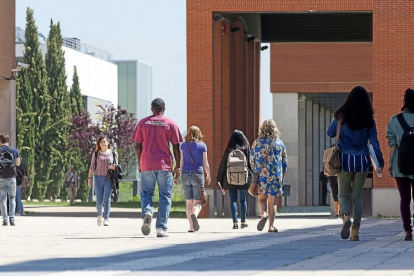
[350, 185]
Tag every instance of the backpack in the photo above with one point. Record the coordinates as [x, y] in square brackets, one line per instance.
[406, 147]
[237, 170]
[7, 164]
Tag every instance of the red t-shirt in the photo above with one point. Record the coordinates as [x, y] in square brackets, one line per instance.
[155, 132]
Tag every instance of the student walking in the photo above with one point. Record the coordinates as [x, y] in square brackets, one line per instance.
[234, 174]
[194, 164]
[153, 136]
[71, 182]
[9, 159]
[400, 137]
[103, 159]
[270, 151]
[356, 124]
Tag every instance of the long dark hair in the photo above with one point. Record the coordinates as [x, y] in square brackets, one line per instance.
[356, 112]
[238, 141]
[408, 100]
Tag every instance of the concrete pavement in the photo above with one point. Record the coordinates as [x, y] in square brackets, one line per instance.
[304, 246]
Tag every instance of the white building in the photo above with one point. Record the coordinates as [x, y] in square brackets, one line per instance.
[98, 76]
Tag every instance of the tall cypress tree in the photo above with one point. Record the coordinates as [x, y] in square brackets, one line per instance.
[75, 94]
[77, 158]
[32, 106]
[60, 111]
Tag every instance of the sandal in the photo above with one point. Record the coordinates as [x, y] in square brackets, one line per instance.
[262, 223]
[273, 229]
[191, 231]
[244, 225]
[235, 225]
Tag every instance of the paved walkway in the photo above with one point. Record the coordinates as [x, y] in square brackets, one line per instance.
[304, 246]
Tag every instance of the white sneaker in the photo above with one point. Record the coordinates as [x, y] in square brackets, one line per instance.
[161, 233]
[99, 220]
[17, 214]
[106, 222]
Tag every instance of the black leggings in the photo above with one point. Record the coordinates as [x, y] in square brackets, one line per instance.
[333, 181]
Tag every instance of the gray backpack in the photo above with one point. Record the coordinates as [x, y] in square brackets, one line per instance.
[237, 170]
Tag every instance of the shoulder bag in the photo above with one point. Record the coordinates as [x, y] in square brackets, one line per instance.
[203, 193]
[331, 158]
[254, 186]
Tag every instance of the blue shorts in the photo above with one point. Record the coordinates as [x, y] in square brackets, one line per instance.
[190, 185]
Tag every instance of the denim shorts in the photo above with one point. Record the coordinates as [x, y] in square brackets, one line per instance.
[190, 185]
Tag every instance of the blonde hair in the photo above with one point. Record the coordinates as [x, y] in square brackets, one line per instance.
[269, 129]
[194, 135]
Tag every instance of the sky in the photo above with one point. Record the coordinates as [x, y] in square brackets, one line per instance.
[152, 31]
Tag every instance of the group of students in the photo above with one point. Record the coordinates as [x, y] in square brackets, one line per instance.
[266, 158]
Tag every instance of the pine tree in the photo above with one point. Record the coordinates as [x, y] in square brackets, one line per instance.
[57, 159]
[32, 107]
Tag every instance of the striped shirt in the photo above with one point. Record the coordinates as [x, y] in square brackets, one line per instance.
[354, 163]
[103, 162]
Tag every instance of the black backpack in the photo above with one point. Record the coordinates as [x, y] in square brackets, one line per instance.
[406, 148]
[7, 164]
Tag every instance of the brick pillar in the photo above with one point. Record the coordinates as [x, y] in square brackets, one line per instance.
[238, 76]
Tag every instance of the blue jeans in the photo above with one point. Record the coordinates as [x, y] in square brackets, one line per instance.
[233, 204]
[8, 187]
[19, 203]
[164, 180]
[103, 189]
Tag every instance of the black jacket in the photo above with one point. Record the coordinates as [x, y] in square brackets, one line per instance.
[222, 173]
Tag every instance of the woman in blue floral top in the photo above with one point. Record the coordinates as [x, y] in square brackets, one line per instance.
[273, 172]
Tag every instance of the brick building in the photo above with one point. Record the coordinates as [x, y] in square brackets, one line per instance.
[320, 50]
[7, 63]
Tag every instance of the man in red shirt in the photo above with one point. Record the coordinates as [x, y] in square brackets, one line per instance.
[153, 136]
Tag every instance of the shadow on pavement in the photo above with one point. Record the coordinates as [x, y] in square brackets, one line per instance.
[248, 253]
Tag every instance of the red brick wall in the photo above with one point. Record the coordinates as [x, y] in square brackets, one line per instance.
[393, 62]
[320, 67]
[393, 57]
[7, 37]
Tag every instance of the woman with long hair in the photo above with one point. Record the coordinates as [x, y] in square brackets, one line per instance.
[194, 164]
[237, 141]
[357, 128]
[268, 149]
[405, 182]
[103, 159]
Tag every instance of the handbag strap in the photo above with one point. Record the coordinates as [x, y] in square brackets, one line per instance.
[338, 131]
[70, 181]
[192, 161]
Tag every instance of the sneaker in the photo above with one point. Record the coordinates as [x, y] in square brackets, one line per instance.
[17, 214]
[99, 220]
[22, 214]
[161, 233]
[106, 222]
[5, 223]
[195, 222]
[12, 222]
[146, 225]
[345, 233]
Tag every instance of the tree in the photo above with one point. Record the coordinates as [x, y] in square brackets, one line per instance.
[77, 158]
[32, 107]
[56, 158]
[76, 99]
